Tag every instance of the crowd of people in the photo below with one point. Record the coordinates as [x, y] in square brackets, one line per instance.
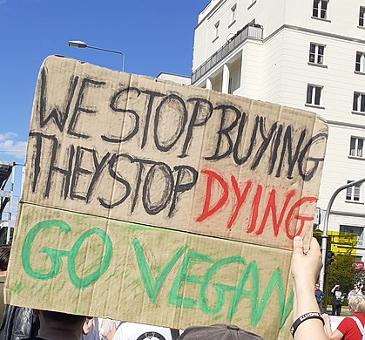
[309, 323]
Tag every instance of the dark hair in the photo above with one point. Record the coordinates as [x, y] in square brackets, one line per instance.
[4, 257]
[62, 317]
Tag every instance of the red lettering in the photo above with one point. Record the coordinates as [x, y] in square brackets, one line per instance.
[271, 206]
[240, 199]
[255, 209]
[298, 217]
[254, 205]
[207, 210]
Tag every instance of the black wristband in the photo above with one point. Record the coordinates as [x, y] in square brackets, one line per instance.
[304, 317]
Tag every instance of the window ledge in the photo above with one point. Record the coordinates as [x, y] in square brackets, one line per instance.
[320, 19]
[361, 27]
[358, 113]
[358, 72]
[251, 5]
[356, 157]
[215, 39]
[356, 202]
[318, 65]
[231, 24]
[315, 106]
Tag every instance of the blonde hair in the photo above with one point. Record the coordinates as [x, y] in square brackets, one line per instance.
[357, 303]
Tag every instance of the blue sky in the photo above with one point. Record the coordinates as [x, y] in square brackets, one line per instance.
[155, 36]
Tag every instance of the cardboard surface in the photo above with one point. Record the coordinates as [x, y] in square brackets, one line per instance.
[151, 202]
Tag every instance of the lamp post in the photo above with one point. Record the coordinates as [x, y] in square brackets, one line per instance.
[81, 44]
[324, 236]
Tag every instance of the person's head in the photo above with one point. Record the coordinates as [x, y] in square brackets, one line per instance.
[4, 257]
[56, 325]
[316, 286]
[217, 332]
[357, 304]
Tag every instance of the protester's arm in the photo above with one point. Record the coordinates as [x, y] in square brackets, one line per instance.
[334, 288]
[305, 269]
[336, 335]
[88, 325]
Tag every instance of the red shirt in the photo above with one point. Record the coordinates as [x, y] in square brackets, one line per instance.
[349, 329]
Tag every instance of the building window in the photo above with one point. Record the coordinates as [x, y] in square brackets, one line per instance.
[314, 94]
[230, 91]
[358, 231]
[216, 30]
[353, 193]
[359, 102]
[316, 53]
[362, 16]
[320, 9]
[360, 62]
[357, 147]
[233, 13]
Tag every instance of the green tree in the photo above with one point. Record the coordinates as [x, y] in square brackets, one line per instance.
[360, 277]
[341, 272]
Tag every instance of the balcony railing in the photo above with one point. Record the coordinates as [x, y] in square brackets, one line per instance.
[252, 31]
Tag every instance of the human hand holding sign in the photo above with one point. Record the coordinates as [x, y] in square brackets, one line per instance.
[305, 265]
[305, 268]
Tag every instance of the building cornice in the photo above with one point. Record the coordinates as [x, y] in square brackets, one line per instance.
[345, 213]
[210, 13]
[312, 31]
[345, 124]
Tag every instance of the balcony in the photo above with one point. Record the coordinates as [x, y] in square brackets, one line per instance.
[250, 31]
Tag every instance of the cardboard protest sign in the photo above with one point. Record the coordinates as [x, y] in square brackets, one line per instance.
[152, 202]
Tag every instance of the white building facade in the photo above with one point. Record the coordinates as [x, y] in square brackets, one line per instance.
[308, 54]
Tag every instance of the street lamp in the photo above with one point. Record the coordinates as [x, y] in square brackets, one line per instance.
[325, 226]
[81, 44]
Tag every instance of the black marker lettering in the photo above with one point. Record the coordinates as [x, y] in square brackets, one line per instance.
[152, 95]
[78, 107]
[266, 139]
[240, 137]
[159, 176]
[170, 107]
[287, 150]
[202, 112]
[65, 172]
[302, 162]
[181, 184]
[56, 114]
[113, 173]
[114, 106]
[224, 130]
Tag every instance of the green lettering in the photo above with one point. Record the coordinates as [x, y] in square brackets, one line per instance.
[153, 286]
[53, 254]
[221, 289]
[190, 259]
[257, 309]
[56, 255]
[239, 292]
[284, 309]
[93, 277]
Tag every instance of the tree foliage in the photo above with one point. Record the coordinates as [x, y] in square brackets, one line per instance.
[340, 272]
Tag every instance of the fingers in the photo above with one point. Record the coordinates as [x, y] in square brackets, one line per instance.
[326, 318]
[314, 247]
[298, 245]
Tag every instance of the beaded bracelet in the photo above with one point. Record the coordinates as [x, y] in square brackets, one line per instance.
[304, 317]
